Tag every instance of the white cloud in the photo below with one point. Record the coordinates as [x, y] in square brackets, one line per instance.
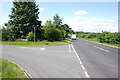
[95, 19]
[81, 12]
[41, 9]
[94, 25]
[76, 18]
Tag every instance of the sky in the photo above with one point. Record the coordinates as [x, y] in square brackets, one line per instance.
[80, 16]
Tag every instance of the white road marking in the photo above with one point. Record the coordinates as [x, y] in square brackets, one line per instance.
[42, 48]
[86, 43]
[80, 62]
[83, 67]
[107, 51]
[85, 72]
[73, 49]
[101, 49]
[69, 48]
[23, 47]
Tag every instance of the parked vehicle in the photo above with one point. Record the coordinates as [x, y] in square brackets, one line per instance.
[73, 37]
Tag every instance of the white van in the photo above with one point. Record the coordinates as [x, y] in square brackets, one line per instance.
[73, 37]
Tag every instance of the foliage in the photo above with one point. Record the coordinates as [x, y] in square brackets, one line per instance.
[48, 22]
[57, 20]
[7, 34]
[104, 37]
[23, 18]
[30, 36]
[24, 21]
[55, 35]
[63, 33]
[107, 37]
[56, 26]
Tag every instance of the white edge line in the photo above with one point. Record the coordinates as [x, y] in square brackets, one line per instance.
[85, 72]
[83, 67]
[74, 49]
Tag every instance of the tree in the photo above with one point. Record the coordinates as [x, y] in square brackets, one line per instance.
[48, 22]
[30, 36]
[57, 20]
[6, 34]
[23, 18]
[55, 35]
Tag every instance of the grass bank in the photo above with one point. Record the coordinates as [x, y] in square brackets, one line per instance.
[95, 40]
[10, 70]
[36, 43]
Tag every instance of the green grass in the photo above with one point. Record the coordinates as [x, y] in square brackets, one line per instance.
[36, 43]
[95, 40]
[10, 70]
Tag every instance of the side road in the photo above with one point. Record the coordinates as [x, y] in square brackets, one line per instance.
[46, 61]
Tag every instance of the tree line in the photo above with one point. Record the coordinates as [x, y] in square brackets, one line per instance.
[24, 23]
[104, 37]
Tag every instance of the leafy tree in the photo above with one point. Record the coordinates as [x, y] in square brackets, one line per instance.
[48, 22]
[30, 36]
[23, 18]
[57, 20]
[48, 25]
[66, 28]
[6, 34]
[55, 35]
[64, 34]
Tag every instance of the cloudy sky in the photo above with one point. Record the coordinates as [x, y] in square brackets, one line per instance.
[80, 16]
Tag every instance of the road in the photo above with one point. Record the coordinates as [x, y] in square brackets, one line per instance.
[81, 59]
[101, 61]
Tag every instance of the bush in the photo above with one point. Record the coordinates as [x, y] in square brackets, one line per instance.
[54, 35]
[30, 36]
[63, 32]
[6, 34]
[104, 37]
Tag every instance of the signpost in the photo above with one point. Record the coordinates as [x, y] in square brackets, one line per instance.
[34, 33]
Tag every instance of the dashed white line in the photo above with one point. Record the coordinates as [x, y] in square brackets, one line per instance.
[86, 43]
[85, 72]
[107, 51]
[101, 49]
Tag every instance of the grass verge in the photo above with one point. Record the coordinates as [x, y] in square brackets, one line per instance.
[95, 40]
[36, 43]
[10, 70]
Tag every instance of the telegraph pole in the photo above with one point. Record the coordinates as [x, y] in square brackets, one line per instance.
[34, 33]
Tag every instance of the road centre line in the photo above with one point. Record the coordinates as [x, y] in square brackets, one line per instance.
[101, 49]
[85, 72]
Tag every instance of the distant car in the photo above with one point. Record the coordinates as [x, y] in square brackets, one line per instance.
[73, 37]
